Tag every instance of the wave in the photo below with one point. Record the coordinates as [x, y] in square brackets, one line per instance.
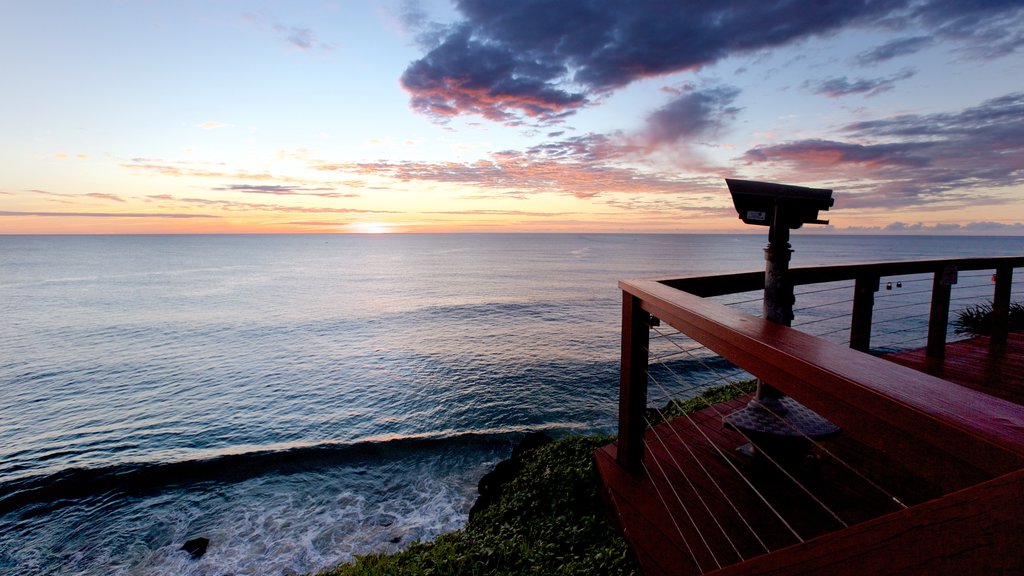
[43, 493]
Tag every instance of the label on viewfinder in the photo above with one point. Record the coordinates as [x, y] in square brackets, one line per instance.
[754, 215]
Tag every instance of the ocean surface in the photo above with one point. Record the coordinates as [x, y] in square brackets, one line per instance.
[301, 399]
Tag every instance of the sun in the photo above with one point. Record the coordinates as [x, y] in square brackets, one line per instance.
[370, 228]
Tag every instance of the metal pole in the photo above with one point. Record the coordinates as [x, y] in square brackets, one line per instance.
[770, 412]
[778, 300]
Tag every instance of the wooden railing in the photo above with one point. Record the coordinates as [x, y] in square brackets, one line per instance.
[866, 277]
[954, 437]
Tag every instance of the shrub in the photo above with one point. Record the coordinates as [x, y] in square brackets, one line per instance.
[676, 408]
[977, 320]
[548, 520]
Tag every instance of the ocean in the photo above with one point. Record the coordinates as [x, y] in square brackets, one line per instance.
[302, 399]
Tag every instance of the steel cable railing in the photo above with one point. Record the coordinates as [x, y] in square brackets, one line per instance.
[672, 388]
[680, 370]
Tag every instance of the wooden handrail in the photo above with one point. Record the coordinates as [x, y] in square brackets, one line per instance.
[867, 276]
[721, 284]
[910, 415]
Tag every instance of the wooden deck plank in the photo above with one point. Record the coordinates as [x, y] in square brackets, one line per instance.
[678, 522]
[969, 363]
[973, 531]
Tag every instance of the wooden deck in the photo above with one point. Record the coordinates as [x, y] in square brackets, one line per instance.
[678, 521]
[970, 363]
[926, 475]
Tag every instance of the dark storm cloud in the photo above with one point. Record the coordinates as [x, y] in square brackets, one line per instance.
[837, 87]
[541, 60]
[957, 157]
[464, 75]
[894, 49]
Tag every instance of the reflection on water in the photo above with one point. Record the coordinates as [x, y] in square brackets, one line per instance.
[129, 364]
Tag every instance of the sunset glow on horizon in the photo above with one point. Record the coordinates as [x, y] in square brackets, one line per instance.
[487, 116]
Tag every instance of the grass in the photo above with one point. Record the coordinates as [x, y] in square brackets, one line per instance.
[548, 520]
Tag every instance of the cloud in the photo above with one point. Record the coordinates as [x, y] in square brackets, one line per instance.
[894, 49]
[464, 75]
[299, 37]
[678, 129]
[588, 148]
[518, 174]
[302, 38]
[498, 213]
[211, 125]
[233, 206]
[281, 190]
[984, 29]
[538, 61]
[969, 229]
[184, 170]
[96, 195]
[987, 227]
[318, 223]
[691, 115]
[107, 214]
[837, 87]
[831, 153]
[202, 170]
[980, 228]
[959, 158]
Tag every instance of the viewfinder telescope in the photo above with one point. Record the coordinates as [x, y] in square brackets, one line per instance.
[771, 204]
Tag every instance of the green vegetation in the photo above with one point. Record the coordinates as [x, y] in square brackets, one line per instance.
[547, 520]
[676, 408]
[977, 320]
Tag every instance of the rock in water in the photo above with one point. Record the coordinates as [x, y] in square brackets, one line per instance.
[196, 547]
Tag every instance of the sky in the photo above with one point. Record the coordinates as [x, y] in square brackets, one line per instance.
[144, 116]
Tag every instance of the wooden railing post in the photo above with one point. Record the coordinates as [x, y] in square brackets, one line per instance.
[633, 383]
[863, 306]
[1001, 309]
[938, 320]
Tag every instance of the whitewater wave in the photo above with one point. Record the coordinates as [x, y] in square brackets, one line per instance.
[45, 492]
